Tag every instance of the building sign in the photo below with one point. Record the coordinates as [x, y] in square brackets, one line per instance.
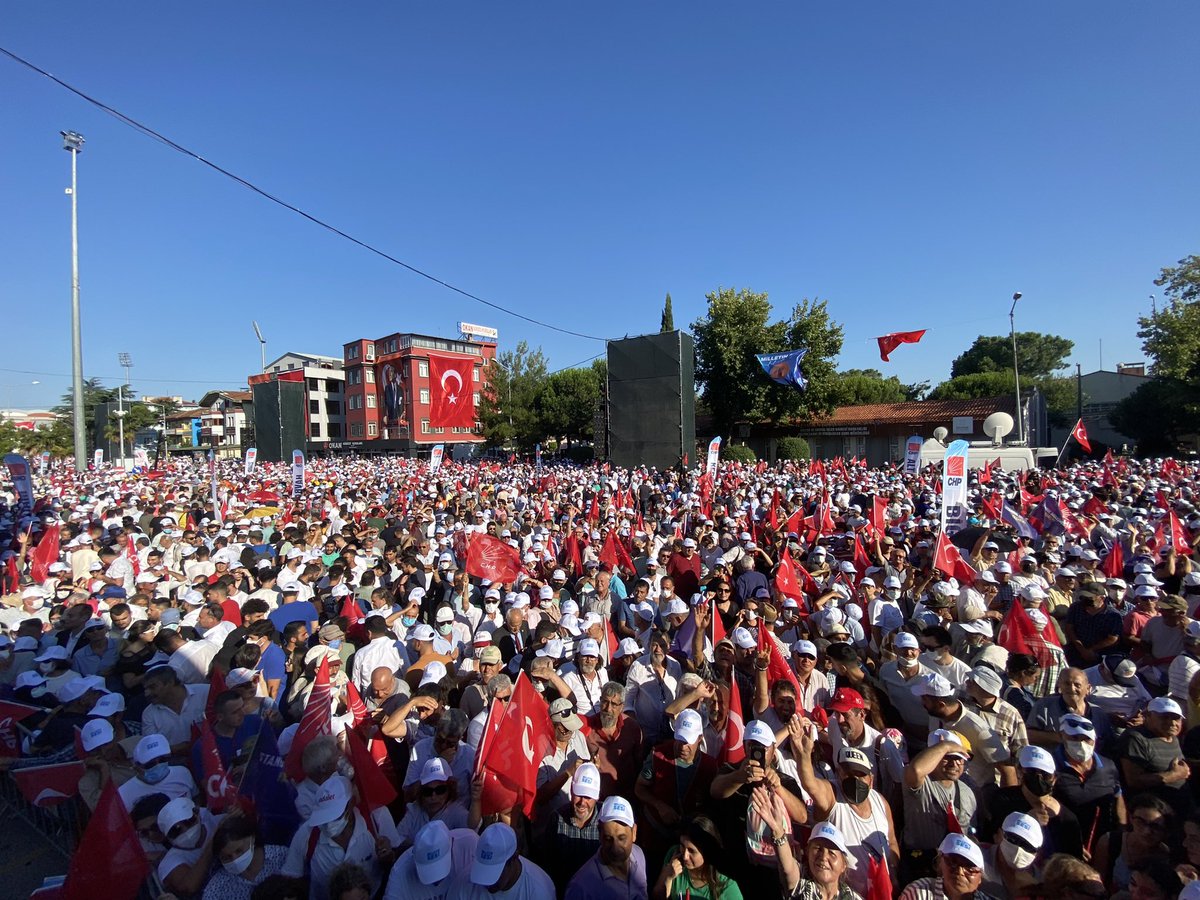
[962, 425]
[480, 331]
[836, 430]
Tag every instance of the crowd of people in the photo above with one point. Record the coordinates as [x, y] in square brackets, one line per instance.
[769, 681]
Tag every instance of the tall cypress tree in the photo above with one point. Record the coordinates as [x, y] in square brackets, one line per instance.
[668, 317]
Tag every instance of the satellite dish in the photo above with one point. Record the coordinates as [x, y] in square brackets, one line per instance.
[997, 425]
[941, 433]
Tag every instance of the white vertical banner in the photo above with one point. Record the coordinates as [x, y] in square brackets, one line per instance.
[954, 488]
[22, 479]
[435, 457]
[251, 459]
[43, 462]
[98, 458]
[912, 454]
[212, 486]
[714, 454]
[141, 459]
[297, 473]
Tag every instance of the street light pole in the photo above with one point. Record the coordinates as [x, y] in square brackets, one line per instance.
[126, 362]
[73, 143]
[1016, 371]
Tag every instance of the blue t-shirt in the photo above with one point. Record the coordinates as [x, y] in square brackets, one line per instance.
[300, 611]
[272, 664]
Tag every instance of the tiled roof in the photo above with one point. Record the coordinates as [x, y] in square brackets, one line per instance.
[917, 412]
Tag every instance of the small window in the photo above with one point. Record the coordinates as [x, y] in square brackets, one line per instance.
[331, 386]
[372, 429]
[355, 431]
[335, 429]
[370, 401]
[313, 385]
[314, 428]
[425, 396]
[333, 407]
[425, 427]
[291, 366]
[423, 369]
[476, 400]
[314, 406]
[370, 351]
[475, 373]
[370, 376]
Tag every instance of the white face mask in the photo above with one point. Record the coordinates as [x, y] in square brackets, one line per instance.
[241, 863]
[189, 839]
[1080, 751]
[905, 663]
[1017, 857]
[491, 608]
[892, 593]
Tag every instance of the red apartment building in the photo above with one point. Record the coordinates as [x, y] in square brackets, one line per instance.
[387, 392]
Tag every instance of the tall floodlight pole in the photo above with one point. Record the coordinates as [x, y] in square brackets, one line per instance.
[1016, 371]
[262, 345]
[73, 144]
[126, 363]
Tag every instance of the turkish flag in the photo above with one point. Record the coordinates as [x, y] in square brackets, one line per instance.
[216, 687]
[491, 558]
[315, 722]
[10, 735]
[948, 561]
[219, 792]
[524, 737]
[614, 554]
[890, 342]
[451, 392]
[1018, 634]
[1080, 435]
[109, 861]
[777, 667]
[1114, 562]
[734, 750]
[45, 553]
[374, 787]
[48, 786]
[1179, 538]
[879, 879]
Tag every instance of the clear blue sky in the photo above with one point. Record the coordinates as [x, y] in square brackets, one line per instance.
[914, 164]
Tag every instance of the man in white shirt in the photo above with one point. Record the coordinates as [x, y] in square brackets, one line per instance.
[174, 708]
[382, 651]
[586, 677]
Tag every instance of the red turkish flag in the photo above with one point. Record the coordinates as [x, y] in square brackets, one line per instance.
[45, 553]
[1080, 435]
[525, 736]
[1179, 538]
[109, 861]
[491, 558]
[10, 735]
[948, 560]
[451, 392]
[1018, 634]
[1114, 562]
[777, 667]
[48, 786]
[375, 789]
[879, 878]
[614, 554]
[734, 750]
[315, 722]
[890, 342]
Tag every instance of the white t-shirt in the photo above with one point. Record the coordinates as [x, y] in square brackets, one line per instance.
[405, 884]
[533, 884]
[176, 857]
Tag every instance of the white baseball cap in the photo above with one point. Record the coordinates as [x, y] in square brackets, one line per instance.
[331, 801]
[1025, 827]
[906, 641]
[586, 782]
[617, 809]
[688, 727]
[494, 849]
[588, 647]
[96, 733]
[957, 845]
[433, 673]
[760, 732]
[435, 770]
[829, 832]
[150, 748]
[1031, 757]
[744, 639]
[431, 852]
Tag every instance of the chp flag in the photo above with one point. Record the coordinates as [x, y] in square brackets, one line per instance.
[98, 458]
[297, 473]
[451, 392]
[714, 454]
[954, 488]
[251, 459]
[22, 479]
[912, 454]
[435, 457]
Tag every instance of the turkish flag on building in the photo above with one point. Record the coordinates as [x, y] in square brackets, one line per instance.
[525, 736]
[491, 558]
[890, 342]
[109, 861]
[1080, 435]
[451, 392]
[48, 786]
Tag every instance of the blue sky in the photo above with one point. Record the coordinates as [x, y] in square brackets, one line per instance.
[913, 164]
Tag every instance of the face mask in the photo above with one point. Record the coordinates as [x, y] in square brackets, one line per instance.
[892, 593]
[334, 645]
[445, 628]
[156, 773]
[856, 789]
[336, 827]
[190, 839]
[1039, 783]
[46, 668]
[240, 864]
[1017, 857]
[408, 621]
[905, 663]
[1080, 751]
[491, 608]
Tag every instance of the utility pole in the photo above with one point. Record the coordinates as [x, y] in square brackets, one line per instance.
[126, 363]
[1016, 371]
[73, 144]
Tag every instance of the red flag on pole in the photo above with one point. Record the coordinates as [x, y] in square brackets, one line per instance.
[316, 721]
[734, 750]
[948, 560]
[1018, 634]
[491, 558]
[879, 879]
[1179, 539]
[451, 392]
[889, 342]
[524, 737]
[374, 787]
[10, 736]
[1114, 562]
[109, 861]
[219, 793]
[614, 554]
[1080, 435]
[777, 667]
[48, 786]
[45, 553]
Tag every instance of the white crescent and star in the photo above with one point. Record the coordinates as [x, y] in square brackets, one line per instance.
[451, 396]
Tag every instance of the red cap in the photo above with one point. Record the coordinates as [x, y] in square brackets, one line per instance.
[846, 699]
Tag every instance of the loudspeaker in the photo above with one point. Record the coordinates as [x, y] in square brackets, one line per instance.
[652, 400]
[280, 416]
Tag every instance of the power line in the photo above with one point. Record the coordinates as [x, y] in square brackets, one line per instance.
[150, 132]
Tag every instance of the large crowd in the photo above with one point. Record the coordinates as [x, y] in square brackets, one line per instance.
[770, 681]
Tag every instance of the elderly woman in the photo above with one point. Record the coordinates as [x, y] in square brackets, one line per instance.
[826, 856]
[960, 873]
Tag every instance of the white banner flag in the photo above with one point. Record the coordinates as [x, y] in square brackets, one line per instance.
[251, 459]
[714, 454]
[954, 488]
[18, 471]
[98, 458]
[912, 454]
[297, 473]
[435, 457]
[43, 462]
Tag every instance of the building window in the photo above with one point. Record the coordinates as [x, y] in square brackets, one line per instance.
[476, 396]
[370, 351]
[475, 373]
[370, 373]
[355, 431]
[423, 369]
[425, 396]
[331, 386]
[312, 385]
[276, 369]
[352, 353]
[392, 346]
[335, 429]
[372, 429]
[314, 429]
[291, 366]
[425, 427]
[314, 406]
[333, 407]
[370, 401]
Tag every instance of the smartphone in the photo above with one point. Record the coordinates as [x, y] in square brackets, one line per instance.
[756, 753]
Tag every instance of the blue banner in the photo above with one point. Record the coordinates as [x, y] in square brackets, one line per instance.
[784, 368]
[273, 795]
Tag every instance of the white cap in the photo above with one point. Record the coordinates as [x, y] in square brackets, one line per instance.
[431, 852]
[1164, 706]
[422, 632]
[588, 647]
[1031, 757]
[178, 810]
[932, 684]
[331, 801]
[96, 733]
[760, 732]
[744, 639]
[586, 782]
[676, 608]
[688, 727]
[628, 647]
[957, 845]
[494, 849]
[444, 614]
[435, 770]
[827, 831]
[150, 748]
[617, 809]
[107, 705]
[1025, 827]
[433, 673]
[805, 648]
[906, 640]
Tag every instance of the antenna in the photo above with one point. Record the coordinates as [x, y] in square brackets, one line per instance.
[262, 344]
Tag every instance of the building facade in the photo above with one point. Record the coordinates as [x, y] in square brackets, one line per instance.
[1102, 391]
[322, 401]
[223, 421]
[388, 392]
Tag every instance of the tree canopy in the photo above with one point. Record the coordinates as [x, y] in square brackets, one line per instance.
[1038, 355]
[1171, 335]
[855, 387]
[1158, 415]
[736, 326]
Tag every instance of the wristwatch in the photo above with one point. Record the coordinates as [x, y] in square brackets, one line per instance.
[780, 840]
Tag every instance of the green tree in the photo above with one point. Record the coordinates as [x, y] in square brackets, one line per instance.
[856, 387]
[1038, 355]
[1060, 392]
[567, 404]
[736, 327]
[789, 448]
[508, 404]
[668, 316]
[1171, 335]
[1158, 415]
[738, 453]
[94, 393]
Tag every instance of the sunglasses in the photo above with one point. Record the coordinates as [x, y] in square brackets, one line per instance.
[435, 790]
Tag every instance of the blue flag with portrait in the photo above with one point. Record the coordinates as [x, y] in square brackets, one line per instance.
[784, 368]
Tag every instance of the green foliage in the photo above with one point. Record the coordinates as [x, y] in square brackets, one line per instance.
[1171, 335]
[736, 327]
[790, 448]
[1059, 391]
[738, 453]
[1039, 355]
[566, 404]
[57, 439]
[856, 387]
[508, 404]
[667, 323]
[1158, 415]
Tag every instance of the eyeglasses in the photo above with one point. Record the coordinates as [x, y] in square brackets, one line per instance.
[1158, 823]
[962, 864]
[434, 790]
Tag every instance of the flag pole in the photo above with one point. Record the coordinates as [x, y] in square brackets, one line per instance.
[1070, 437]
